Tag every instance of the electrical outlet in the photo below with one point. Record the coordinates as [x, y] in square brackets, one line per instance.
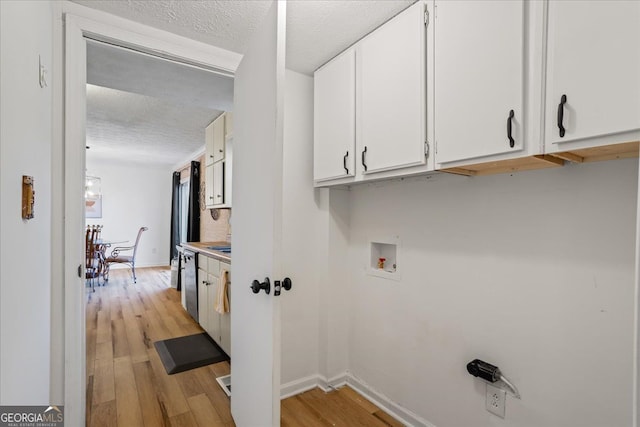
[496, 399]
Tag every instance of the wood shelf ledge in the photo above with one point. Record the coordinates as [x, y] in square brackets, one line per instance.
[625, 150]
[507, 166]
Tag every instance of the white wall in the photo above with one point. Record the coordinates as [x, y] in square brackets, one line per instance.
[25, 246]
[301, 220]
[532, 272]
[135, 195]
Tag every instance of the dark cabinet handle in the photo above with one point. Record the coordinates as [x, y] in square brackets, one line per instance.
[364, 163]
[344, 163]
[563, 101]
[509, 120]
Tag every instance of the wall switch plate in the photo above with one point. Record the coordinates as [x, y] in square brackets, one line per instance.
[496, 399]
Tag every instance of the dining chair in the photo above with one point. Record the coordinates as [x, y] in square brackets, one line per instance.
[92, 261]
[117, 257]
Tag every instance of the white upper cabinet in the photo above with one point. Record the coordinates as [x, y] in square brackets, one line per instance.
[593, 74]
[391, 101]
[208, 146]
[479, 79]
[218, 138]
[218, 159]
[334, 118]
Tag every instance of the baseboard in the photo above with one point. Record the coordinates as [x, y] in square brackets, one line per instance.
[346, 378]
[401, 414]
[299, 386]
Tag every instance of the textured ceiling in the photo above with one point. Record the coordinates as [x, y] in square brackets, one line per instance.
[125, 126]
[130, 71]
[156, 110]
[317, 30]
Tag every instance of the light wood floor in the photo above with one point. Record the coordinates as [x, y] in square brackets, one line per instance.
[127, 385]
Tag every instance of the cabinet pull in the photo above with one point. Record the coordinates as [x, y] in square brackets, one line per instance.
[509, 120]
[344, 163]
[364, 163]
[563, 101]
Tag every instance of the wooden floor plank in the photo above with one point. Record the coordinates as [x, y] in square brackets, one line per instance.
[189, 383]
[120, 342]
[127, 402]
[104, 350]
[147, 394]
[219, 399]
[204, 412]
[361, 401]
[388, 419]
[337, 410]
[91, 349]
[135, 338]
[103, 384]
[103, 329]
[170, 392]
[104, 415]
[183, 420]
[295, 413]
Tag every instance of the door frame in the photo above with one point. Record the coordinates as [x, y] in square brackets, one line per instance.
[73, 24]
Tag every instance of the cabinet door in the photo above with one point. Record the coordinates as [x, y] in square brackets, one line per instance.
[203, 287]
[391, 95]
[225, 319]
[218, 183]
[334, 118]
[208, 186]
[208, 145]
[479, 78]
[218, 138]
[214, 316]
[594, 60]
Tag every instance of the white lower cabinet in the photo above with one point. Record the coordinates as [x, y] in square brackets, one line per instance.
[217, 325]
[225, 319]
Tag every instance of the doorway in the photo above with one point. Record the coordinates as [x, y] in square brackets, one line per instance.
[141, 40]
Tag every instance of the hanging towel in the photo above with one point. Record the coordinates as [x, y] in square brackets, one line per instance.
[222, 300]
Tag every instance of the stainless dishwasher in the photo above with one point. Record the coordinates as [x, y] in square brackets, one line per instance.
[190, 282]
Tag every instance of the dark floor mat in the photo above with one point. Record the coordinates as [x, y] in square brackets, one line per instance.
[190, 352]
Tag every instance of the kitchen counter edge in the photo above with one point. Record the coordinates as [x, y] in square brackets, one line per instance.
[201, 247]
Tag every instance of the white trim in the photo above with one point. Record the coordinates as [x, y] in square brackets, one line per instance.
[74, 171]
[79, 22]
[299, 386]
[126, 33]
[401, 414]
[636, 323]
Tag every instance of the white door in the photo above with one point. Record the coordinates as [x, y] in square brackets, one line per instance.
[479, 69]
[594, 60]
[392, 95]
[257, 223]
[335, 118]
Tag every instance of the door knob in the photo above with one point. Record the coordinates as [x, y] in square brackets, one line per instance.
[286, 284]
[256, 286]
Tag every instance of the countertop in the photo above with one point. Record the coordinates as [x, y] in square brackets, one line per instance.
[201, 247]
